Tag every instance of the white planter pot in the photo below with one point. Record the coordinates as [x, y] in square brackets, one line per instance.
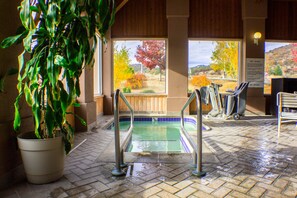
[43, 159]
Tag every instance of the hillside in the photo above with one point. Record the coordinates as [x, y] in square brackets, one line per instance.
[282, 57]
[199, 68]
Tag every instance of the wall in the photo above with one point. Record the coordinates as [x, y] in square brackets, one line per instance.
[99, 105]
[215, 19]
[10, 169]
[228, 19]
[284, 27]
[141, 18]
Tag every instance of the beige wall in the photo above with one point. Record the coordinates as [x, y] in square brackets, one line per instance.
[177, 54]
[107, 76]
[87, 109]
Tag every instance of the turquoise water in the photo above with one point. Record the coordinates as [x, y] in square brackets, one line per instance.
[149, 136]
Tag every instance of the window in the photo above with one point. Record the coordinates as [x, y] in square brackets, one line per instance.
[139, 66]
[98, 69]
[213, 62]
[280, 61]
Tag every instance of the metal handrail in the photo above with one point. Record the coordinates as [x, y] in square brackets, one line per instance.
[198, 148]
[119, 148]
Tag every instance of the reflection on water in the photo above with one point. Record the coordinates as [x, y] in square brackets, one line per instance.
[155, 136]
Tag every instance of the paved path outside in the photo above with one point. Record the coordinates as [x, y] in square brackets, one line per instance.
[251, 162]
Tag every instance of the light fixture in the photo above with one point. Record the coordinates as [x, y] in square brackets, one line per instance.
[257, 36]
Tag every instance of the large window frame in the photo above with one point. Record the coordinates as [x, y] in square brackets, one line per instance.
[275, 44]
[239, 56]
[98, 82]
[164, 73]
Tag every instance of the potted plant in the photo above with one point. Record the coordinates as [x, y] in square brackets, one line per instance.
[59, 40]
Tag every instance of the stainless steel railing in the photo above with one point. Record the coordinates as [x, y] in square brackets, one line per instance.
[119, 147]
[197, 147]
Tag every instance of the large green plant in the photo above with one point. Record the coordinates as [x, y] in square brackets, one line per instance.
[59, 39]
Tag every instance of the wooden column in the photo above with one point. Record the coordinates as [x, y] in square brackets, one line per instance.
[254, 13]
[87, 109]
[107, 76]
[177, 54]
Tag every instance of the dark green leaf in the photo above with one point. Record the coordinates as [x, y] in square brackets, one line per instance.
[49, 121]
[63, 98]
[28, 95]
[76, 104]
[12, 40]
[60, 61]
[25, 14]
[82, 121]
[77, 88]
[21, 61]
[43, 7]
[34, 9]
[12, 71]
[27, 42]
[37, 117]
[17, 116]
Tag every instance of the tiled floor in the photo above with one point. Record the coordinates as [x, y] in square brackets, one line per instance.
[250, 162]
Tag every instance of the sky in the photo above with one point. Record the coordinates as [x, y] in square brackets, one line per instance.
[199, 51]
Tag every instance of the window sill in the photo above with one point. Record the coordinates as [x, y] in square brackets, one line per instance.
[98, 96]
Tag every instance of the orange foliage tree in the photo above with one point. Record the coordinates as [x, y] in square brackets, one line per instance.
[200, 81]
[136, 81]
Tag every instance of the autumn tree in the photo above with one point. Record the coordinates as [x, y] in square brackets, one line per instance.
[294, 52]
[122, 70]
[200, 81]
[225, 58]
[152, 54]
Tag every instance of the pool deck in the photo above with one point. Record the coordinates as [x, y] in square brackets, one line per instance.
[243, 159]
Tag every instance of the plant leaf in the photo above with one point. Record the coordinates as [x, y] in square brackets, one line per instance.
[34, 8]
[49, 120]
[60, 61]
[17, 116]
[27, 42]
[28, 95]
[12, 71]
[9, 41]
[63, 98]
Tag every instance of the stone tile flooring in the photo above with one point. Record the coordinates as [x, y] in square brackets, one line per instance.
[252, 162]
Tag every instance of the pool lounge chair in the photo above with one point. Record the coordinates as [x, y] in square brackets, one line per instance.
[287, 108]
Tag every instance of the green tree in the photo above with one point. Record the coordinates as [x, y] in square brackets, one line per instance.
[225, 58]
[122, 70]
[277, 71]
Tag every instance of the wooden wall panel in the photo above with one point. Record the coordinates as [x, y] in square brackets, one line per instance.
[99, 105]
[141, 18]
[215, 19]
[145, 103]
[281, 23]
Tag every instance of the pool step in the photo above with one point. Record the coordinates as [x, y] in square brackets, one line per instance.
[156, 146]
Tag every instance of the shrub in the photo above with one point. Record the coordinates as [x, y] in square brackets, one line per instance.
[127, 90]
[148, 91]
[200, 81]
[277, 71]
[136, 81]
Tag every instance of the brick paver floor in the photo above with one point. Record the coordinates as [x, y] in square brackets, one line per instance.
[252, 162]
